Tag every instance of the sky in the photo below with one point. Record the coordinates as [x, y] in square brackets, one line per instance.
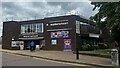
[38, 10]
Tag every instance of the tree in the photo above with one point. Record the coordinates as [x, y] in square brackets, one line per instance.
[110, 12]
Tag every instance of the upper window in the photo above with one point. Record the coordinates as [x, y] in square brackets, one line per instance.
[32, 28]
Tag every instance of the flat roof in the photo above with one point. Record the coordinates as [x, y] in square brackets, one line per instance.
[78, 17]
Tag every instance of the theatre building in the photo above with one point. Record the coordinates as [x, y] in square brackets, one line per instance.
[55, 33]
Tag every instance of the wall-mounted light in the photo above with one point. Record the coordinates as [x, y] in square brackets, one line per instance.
[13, 39]
[46, 24]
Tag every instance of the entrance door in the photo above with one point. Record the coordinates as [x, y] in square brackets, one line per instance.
[27, 43]
[67, 44]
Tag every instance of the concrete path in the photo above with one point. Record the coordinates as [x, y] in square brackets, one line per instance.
[64, 56]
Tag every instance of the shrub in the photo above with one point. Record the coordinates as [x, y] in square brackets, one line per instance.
[103, 46]
[85, 47]
[96, 47]
[88, 47]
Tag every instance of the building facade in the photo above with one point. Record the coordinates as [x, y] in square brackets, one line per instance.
[55, 33]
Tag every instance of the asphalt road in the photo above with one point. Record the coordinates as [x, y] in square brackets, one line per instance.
[18, 60]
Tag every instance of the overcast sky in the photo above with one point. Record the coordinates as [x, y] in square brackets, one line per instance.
[30, 10]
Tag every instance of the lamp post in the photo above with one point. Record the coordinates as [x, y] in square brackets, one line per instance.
[77, 50]
[77, 39]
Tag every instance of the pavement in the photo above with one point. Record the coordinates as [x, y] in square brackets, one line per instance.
[64, 56]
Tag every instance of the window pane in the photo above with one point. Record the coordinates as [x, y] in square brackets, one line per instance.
[40, 27]
[22, 29]
[34, 27]
[25, 28]
[28, 29]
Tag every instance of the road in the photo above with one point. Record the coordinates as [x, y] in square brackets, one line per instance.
[18, 60]
[12, 60]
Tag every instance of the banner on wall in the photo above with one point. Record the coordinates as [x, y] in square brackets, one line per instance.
[67, 44]
[60, 34]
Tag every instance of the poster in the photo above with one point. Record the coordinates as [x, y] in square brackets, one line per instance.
[60, 34]
[65, 34]
[67, 44]
[54, 42]
[54, 35]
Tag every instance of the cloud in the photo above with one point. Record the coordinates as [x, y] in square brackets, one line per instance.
[40, 9]
[30, 10]
[1, 19]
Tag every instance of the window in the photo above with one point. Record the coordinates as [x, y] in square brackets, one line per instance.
[26, 28]
[40, 29]
[22, 29]
[32, 28]
[84, 27]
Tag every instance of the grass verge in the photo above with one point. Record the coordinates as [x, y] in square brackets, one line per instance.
[100, 51]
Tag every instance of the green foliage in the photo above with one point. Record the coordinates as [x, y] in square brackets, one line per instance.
[116, 32]
[96, 47]
[102, 46]
[89, 47]
[110, 11]
[85, 47]
[99, 51]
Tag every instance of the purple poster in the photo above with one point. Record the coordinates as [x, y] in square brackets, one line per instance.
[67, 44]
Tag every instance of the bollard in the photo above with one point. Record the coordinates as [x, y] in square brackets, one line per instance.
[115, 57]
[37, 47]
